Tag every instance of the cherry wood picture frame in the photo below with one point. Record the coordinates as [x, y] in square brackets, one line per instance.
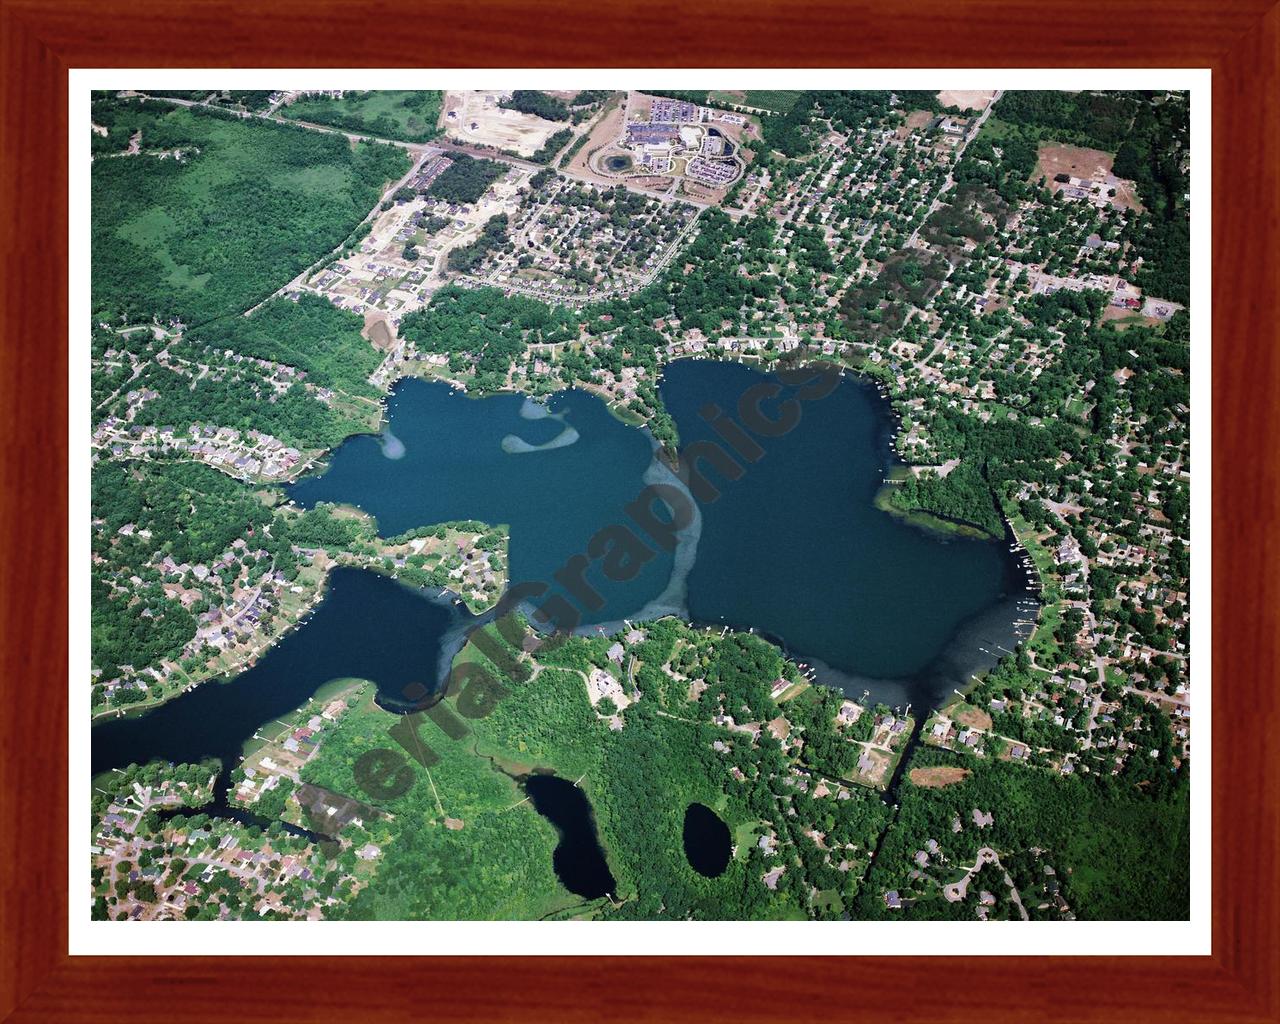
[40, 40]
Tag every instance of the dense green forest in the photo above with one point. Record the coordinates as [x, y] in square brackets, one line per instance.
[406, 115]
[531, 101]
[466, 258]
[483, 324]
[551, 148]
[466, 179]
[1122, 855]
[312, 334]
[1156, 155]
[963, 495]
[1101, 120]
[174, 238]
[587, 97]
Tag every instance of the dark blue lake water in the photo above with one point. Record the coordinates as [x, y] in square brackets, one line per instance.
[707, 843]
[367, 627]
[793, 548]
[554, 474]
[578, 860]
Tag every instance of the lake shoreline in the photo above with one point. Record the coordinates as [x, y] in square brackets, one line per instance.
[924, 519]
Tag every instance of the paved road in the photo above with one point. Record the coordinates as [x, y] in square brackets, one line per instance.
[973, 134]
[957, 890]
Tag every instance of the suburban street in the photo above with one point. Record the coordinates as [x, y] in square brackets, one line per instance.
[969, 137]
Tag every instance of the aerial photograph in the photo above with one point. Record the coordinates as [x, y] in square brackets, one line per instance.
[638, 505]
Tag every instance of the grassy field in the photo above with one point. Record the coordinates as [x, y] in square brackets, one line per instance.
[496, 866]
[994, 129]
[406, 115]
[1042, 644]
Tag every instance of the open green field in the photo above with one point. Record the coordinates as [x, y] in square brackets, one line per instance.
[496, 866]
[407, 115]
[1042, 643]
[246, 206]
[994, 129]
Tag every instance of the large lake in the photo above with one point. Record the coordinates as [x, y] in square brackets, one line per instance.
[794, 548]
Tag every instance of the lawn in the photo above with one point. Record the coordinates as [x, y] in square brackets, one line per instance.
[1042, 644]
[1040, 555]
[994, 129]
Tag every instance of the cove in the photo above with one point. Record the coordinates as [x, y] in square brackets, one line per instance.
[706, 841]
[578, 860]
[554, 474]
[366, 627]
[797, 550]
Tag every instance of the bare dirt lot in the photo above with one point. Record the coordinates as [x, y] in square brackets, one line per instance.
[879, 767]
[916, 120]
[966, 99]
[605, 131]
[1092, 164]
[936, 778]
[1074, 160]
[476, 117]
[379, 331]
[1126, 196]
[701, 193]
[1123, 318]
[974, 718]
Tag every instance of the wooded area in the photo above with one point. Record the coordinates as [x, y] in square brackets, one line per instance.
[244, 206]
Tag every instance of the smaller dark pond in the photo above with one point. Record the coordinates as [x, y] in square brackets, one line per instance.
[706, 841]
[578, 860]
